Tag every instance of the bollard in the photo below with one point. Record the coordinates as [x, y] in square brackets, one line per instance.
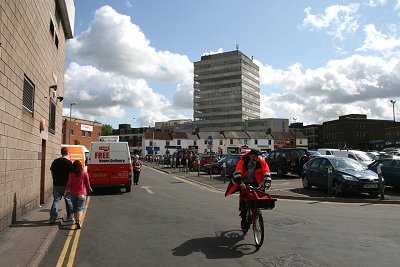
[381, 183]
[224, 171]
[187, 165]
[329, 180]
[198, 167]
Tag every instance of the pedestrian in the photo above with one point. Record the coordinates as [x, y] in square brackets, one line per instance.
[137, 167]
[78, 184]
[60, 169]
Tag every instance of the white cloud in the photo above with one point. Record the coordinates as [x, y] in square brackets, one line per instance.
[375, 3]
[377, 41]
[352, 85]
[338, 20]
[114, 44]
[220, 50]
[397, 7]
[106, 94]
[122, 64]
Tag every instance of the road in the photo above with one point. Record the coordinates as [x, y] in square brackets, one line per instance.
[167, 221]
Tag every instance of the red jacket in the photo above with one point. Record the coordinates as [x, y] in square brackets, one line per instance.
[261, 173]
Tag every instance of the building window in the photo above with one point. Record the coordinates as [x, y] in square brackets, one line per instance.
[51, 28]
[56, 41]
[195, 142]
[255, 141]
[52, 117]
[28, 96]
[221, 142]
[178, 142]
[205, 142]
[231, 141]
[89, 134]
[83, 134]
[71, 132]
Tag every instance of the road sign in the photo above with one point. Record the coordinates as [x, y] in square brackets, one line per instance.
[209, 140]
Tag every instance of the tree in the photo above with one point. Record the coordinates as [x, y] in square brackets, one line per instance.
[106, 129]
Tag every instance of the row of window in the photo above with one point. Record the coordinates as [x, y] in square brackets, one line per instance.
[83, 133]
[217, 94]
[198, 87]
[221, 142]
[218, 79]
[218, 102]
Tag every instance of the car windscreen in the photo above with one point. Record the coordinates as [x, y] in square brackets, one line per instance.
[347, 164]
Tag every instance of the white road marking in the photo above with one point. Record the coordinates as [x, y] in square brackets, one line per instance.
[147, 188]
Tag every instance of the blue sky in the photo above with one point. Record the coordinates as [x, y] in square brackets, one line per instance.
[318, 59]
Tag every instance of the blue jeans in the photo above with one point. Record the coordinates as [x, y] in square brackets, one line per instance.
[58, 192]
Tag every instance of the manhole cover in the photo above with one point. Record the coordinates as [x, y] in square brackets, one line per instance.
[289, 260]
[283, 221]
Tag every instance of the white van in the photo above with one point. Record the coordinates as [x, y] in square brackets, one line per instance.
[327, 151]
[360, 156]
[77, 152]
[110, 165]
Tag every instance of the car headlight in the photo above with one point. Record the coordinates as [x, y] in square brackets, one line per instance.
[350, 178]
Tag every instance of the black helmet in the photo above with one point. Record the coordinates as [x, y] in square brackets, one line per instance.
[255, 152]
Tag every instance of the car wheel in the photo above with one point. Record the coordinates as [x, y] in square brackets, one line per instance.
[279, 172]
[337, 188]
[215, 170]
[374, 194]
[306, 183]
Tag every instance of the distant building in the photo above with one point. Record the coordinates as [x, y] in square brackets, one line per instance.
[267, 125]
[226, 91]
[80, 132]
[356, 131]
[33, 38]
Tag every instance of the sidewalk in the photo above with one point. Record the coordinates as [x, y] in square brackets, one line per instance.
[26, 241]
[288, 187]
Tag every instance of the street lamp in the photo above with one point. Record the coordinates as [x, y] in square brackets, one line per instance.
[393, 102]
[70, 113]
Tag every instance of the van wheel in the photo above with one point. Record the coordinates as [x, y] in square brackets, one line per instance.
[128, 188]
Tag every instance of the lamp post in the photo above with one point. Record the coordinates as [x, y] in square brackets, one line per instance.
[295, 132]
[70, 114]
[393, 102]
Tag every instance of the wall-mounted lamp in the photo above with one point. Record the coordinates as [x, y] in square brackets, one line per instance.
[61, 98]
[54, 87]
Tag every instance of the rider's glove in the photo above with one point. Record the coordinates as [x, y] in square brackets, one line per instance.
[267, 184]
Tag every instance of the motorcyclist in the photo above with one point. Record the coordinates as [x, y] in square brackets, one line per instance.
[251, 169]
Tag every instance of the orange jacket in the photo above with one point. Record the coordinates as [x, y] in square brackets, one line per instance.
[261, 173]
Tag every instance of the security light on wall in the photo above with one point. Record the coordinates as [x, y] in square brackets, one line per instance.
[61, 98]
[54, 87]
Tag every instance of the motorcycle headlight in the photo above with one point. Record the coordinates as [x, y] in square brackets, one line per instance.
[350, 178]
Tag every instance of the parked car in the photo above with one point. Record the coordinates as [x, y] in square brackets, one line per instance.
[390, 170]
[216, 167]
[373, 154]
[231, 164]
[204, 159]
[347, 175]
[360, 156]
[313, 154]
[284, 160]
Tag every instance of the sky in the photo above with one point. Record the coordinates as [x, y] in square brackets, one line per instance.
[131, 61]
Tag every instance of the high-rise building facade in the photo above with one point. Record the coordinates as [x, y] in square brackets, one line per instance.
[226, 91]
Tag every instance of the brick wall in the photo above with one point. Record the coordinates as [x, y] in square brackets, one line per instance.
[28, 51]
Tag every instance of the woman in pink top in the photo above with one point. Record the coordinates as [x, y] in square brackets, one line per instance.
[78, 181]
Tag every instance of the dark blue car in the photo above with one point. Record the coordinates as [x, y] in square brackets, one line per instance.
[390, 170]
[347, 175]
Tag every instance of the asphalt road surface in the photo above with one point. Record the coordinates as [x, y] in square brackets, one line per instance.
[167, 221]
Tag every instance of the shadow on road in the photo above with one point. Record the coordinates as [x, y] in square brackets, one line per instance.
[223, 245]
